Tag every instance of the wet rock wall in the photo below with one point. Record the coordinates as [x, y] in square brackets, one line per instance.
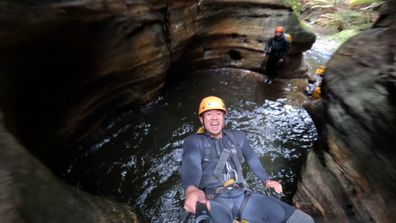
[350, 176]
[67, 66]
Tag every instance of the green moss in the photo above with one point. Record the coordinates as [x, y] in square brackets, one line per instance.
[344, 35]
[308, 27]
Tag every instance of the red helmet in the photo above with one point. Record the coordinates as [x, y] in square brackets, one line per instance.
[279, 29]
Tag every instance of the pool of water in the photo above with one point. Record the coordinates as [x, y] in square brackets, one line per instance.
[137, 158]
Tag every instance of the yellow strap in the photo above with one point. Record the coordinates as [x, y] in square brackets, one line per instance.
[229, 182]
[201, 130]
[240, 221]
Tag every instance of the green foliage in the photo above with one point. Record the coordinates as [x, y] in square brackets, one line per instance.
[342, 14]
[296, 5]
[343, 19]
[320, 4]
[363, 2]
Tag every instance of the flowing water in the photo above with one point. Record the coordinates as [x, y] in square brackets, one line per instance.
[138, 157]
[320, 52]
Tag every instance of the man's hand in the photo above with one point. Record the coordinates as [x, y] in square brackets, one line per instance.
[273, 184]
[194, 195]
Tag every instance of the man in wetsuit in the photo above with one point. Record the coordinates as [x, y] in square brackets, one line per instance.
[212, 174]
[276, 49]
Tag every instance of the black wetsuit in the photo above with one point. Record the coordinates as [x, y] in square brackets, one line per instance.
[276, 49]
[196, 170]
[199, 160]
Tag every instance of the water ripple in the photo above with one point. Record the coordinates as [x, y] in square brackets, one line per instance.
[140, 161]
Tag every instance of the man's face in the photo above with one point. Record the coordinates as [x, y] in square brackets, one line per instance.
[278, 34]
[213, 121]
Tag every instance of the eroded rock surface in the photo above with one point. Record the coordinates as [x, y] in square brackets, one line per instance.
[350, 176]
[67, 65]
[31, 193]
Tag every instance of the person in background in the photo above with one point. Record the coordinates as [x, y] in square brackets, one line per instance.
[314, 88]
[276, 50]
[211, 174]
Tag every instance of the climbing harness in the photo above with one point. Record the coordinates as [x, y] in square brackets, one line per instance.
[234, 154]
[231, 176]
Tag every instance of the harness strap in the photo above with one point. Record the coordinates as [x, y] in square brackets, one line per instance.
[237, 163]
[217, 147]
[235, 143]
[222, 160]
[243, 204]
[235, 158]
[224, 154]
[185, 217]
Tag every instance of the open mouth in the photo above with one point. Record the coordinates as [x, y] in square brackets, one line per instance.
[215, 125]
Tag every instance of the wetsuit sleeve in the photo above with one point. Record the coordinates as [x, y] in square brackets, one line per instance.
[268, 47]
[253, 160]
[191, 170]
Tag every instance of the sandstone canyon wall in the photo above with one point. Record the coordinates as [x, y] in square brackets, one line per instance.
[351, 176]
[67, 64]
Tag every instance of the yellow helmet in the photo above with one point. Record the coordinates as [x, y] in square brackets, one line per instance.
[316, 93]
[210, 103]
[321, 70]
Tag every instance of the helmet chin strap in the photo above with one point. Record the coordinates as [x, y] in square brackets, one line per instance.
[201, 130]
